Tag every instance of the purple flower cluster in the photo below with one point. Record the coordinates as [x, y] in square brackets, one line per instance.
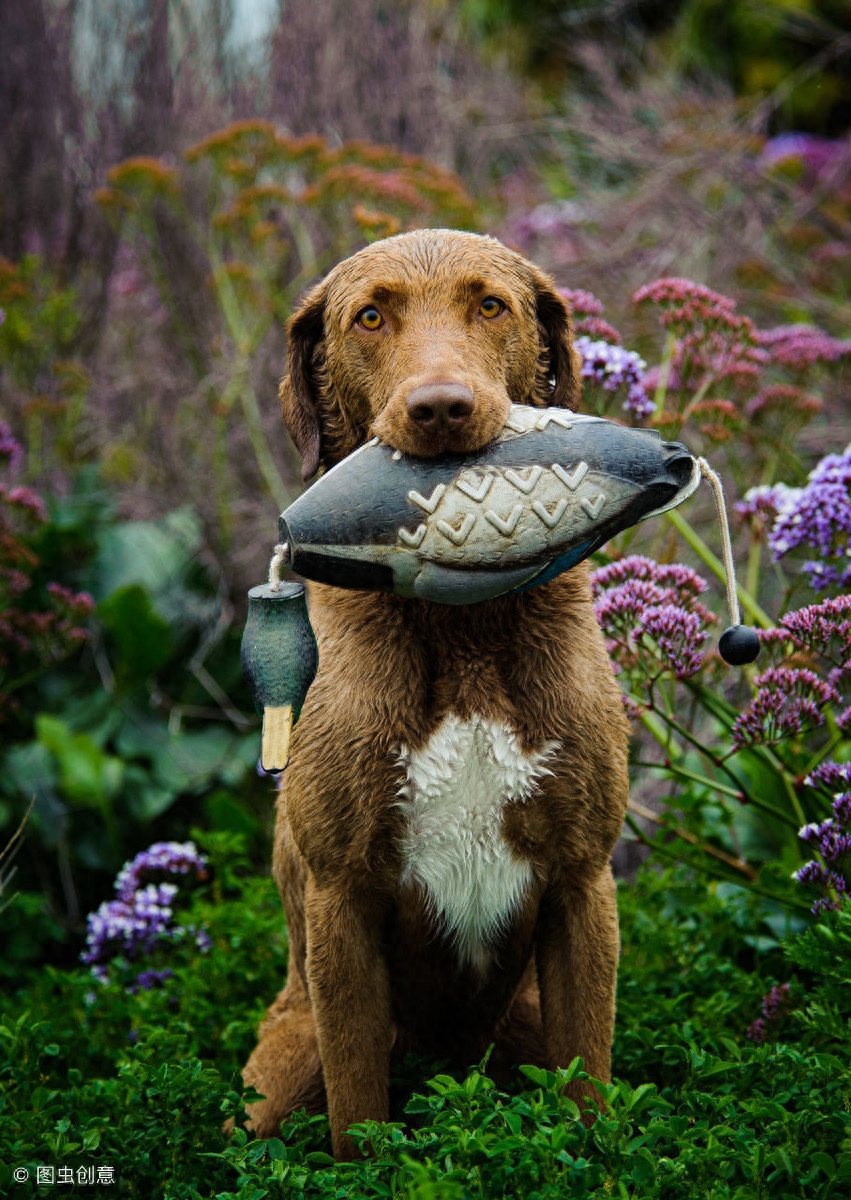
[831, 839]
[611, 366]
[788, 702]
[818, 516]
[832, 776]
[766, 502]
[146, 980]
[651, 615]
[129, 927]
[158, 862]
[587, 309]
[776, 1005]
[816, 154]
[549, 220]
[142, 916]
[801, 346]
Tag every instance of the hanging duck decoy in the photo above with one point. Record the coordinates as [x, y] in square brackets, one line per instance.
[279, 659]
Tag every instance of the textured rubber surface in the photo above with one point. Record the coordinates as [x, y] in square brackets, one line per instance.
[459, 529]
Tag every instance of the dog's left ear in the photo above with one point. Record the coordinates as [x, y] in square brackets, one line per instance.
[298, 390]
[555, 326]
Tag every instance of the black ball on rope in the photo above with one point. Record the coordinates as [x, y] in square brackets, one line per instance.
[739, 645]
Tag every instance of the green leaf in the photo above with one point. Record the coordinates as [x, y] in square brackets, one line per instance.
[87, 775]
[141, 640]
[824, 1163]
[225, 811]
[643, 1168]
[156, 555]
[544, 1079]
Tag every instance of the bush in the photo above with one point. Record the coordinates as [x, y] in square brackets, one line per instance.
[117, 670]
[137, 1080]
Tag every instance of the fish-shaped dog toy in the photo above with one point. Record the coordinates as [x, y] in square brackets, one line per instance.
[459, 529]
[552, 488]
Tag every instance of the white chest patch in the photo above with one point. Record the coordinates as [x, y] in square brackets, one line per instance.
[454, 793]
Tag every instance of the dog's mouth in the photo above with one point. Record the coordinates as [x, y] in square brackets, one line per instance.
[442, 417]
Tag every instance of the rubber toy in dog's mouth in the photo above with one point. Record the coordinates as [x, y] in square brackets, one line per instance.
[461, 529]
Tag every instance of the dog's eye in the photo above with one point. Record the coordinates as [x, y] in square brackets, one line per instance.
[491, 307]
[370, 318]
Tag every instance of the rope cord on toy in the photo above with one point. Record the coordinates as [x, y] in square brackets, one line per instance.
[714, 482]
[279, 558]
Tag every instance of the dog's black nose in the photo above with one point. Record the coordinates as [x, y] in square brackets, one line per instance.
[440, 407]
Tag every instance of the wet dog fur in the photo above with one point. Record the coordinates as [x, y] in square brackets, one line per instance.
[458, 775]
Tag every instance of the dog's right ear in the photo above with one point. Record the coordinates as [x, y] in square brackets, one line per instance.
[305, 330]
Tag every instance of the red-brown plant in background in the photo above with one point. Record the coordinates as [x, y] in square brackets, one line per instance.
[39, 626]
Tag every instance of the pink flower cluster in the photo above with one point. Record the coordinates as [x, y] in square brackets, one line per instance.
[788, 701]
[10, 448]
[824, 629]
[587, 310]
[801, 346]
[784, 401]
[712, 338]
[651, 616]
[33, 632]
[686, 304]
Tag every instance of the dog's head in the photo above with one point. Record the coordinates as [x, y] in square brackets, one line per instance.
[424, 339]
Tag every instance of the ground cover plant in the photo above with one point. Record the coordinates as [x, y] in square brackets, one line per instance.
[129, 1076]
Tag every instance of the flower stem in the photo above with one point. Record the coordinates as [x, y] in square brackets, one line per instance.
[748, 603]
[735, 793]
[708, 867]
[665, 372]
[737, 864]
[747, 797]
[825, 751]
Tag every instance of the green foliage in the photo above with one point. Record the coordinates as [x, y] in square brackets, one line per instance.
[142, 1082]
[40, 321]
[117, 736]
[754, 46]
[794, 46]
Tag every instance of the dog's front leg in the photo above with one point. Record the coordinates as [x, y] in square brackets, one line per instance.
[350, 997]
[577, 957]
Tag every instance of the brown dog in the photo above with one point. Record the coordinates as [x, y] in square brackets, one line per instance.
[458, 776]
